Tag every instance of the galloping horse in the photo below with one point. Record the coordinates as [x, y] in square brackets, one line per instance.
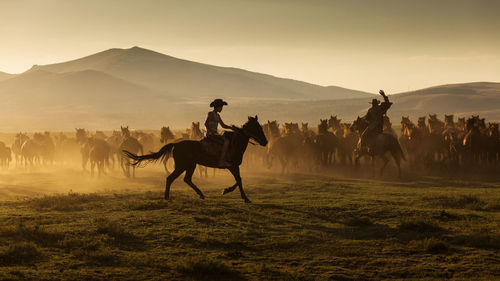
[187, 154]
[379, 146]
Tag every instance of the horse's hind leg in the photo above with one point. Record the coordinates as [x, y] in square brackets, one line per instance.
[384, 164]
[170, 179]
[188, 177]
[395, 155]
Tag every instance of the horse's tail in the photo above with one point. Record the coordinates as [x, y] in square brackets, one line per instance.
[162, 154]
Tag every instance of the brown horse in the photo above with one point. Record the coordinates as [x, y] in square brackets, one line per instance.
[95, 150]
[326, 143]
[5, 155]
[131, 144]
[379, 146]
[348, 144]
[16, 147]
[187, 154]
[284, 148]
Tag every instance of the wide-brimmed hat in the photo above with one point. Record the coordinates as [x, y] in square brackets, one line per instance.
[218, 102]
[374, 101]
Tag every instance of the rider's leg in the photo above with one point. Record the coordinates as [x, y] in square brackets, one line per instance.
[222, 160]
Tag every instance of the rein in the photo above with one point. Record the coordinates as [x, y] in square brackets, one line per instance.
[248, 135]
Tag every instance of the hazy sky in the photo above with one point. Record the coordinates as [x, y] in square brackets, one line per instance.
[367, 45]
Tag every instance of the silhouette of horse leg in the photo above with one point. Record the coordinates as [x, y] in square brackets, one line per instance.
[171, 178]
[373, 165]
[229, 189]
[383, 165]
[397, 159]
[188, 179]
[92, 166]
[236, 173]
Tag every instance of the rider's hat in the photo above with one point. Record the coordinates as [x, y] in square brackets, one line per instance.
[218, 102]
[375, 102]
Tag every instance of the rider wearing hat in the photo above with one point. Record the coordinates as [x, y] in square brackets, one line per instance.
[375, 118]
[211, 124]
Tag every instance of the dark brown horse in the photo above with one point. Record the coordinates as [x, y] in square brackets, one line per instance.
[379, 146]
[187, 154]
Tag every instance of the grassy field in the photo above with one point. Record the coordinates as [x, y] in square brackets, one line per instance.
[66, 225]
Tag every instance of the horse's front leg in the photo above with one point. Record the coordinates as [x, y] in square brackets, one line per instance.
[236, 173]
[229, 189]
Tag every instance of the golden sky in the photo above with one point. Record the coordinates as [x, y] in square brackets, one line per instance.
[397, 45]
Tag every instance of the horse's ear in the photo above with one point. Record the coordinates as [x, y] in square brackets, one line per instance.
[256, 118]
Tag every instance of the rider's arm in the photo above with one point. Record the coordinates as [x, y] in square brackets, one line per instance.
[386, 104]
[386, 99]
[224, 126]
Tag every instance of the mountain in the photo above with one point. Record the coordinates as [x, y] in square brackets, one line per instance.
[147, 90]
[41, 100]
[183, 78]
[5, 76]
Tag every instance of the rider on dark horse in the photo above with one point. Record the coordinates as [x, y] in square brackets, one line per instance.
[212, 123]
[375, 119]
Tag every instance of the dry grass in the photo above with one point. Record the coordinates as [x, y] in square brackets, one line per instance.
[297, 228]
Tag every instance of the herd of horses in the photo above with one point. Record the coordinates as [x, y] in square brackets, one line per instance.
[290, 147]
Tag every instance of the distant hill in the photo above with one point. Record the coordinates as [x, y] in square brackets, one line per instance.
[59, 101]
[463, 99]
[178, 77]
[5, 76]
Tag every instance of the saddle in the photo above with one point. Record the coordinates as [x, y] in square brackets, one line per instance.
[212, 145]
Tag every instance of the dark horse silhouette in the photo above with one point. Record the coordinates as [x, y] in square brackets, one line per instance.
[188, 153]
[379, 146]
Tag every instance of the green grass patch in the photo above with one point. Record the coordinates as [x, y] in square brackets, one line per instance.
[20, 253]
[204, 268]
[65, 203]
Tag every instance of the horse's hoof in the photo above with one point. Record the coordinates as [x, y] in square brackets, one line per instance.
[202, 197]
[247, 200]
[224, 191]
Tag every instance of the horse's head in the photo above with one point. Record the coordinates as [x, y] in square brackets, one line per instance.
[334, 122]
[165, 134]
[405, 120]
[322, 126]
[359, 125]
[304, 127]
[253, 130]
[125, 131]
[421, 121]
[81, 135]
